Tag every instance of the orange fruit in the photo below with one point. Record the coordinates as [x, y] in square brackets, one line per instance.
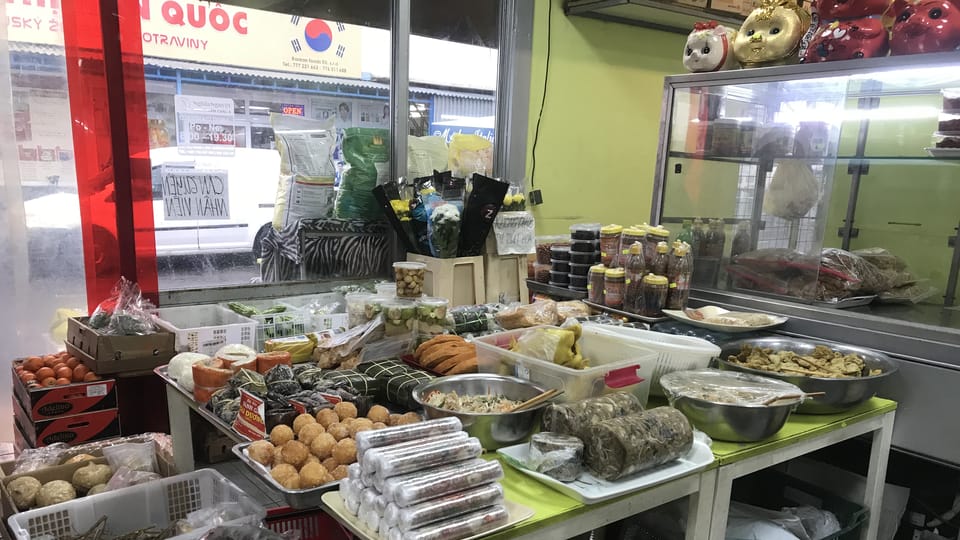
[49, 381]
[63, 354]
[26, 377]
[50, 361]
[18, 368]
[72, 362]
[45, 373]
[63, 381]
[89, 377]
[63, 372]
[80, 372]
[33, 363]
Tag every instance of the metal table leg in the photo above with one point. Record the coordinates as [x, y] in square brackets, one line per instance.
[180, 430]
[876, 476]
[701, 506]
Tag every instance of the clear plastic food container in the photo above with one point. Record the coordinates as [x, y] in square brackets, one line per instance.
[399, 317]
[432, 315]
[409, 277]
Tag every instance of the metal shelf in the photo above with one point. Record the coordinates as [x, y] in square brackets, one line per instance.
[554, 291]
[666, 16]
[753, 160]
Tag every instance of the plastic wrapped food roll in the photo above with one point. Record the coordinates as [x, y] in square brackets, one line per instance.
[394, 533]
[627, 445]
[371, 498]
[372, 459]
[555, 455]
[429, 457]
[576, 418]
[418, 487]
[352, 502]
[448, 506]
[348, 490]
[369, 517]
[463, 526]
[367, 479]
[391, 515]
[353, 471]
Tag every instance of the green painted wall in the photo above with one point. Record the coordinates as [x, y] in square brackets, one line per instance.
[597, 149]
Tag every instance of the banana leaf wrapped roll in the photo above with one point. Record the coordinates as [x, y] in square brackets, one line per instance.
[576, 418]
[637, 442]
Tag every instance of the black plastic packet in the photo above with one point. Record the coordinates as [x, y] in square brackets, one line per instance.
[478, 214]
[385, 193]
[418, 214]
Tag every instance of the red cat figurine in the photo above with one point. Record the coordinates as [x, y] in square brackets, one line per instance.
[829, 10]
[846, 40]
[925, 26]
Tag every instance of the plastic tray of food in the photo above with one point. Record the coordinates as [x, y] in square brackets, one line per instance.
[295, 498]
[589, 489]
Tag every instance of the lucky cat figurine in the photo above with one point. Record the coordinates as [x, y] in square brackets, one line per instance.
[846, 40]
[771, 34]
[925, 26]
[709, 48]
[831, 10]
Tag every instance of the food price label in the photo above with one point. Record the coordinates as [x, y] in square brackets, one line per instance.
[96, 390]
[250, 421]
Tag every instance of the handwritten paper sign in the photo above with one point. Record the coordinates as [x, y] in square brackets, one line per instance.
[515, 233]
[192, 194]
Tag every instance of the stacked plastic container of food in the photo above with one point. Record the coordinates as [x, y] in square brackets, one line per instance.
[424, 481]
[584, 253]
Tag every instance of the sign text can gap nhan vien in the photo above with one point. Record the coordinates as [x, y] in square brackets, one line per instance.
[190, 194]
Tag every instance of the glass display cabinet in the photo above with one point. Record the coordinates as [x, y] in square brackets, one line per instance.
[771, 168]
[793, 178]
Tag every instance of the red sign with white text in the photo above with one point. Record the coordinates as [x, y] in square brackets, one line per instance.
[250, 421]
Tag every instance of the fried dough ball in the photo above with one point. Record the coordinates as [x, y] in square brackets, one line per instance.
[312, 475]
[339, 473]
[345, 409]
[378, 413]
[286, 475]
[327, 477]
[280, 434]
[277, 455]
[323, 445]
[309, 432]
[311, 459]
[360, 424]
[345, 452]
[339, 431]
[325, 417]
[295, 453]
[261, 452]
[394, 418]
[409, 418]
[302, 420]
[330, 464]
[379, 425]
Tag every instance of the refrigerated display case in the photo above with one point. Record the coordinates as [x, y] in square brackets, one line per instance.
[795, 167]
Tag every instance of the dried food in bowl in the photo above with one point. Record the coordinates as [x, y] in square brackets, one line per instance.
[494, 429]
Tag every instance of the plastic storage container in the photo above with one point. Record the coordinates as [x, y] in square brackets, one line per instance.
[674, 353]
[356, 304]
[292, 321]
[409, 277]
[580, 269]
[618, 364]
[560, 252]
[578, 283]
[206, 328]
[588, 258]
[399, 317]
[158, 503]
[432, 315]
[560, 266]
[545, 245]
[585, 231]
[560, 279]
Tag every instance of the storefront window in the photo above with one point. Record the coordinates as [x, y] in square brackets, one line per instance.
[42, 267]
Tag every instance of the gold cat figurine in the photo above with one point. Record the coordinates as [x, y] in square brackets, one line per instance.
[771, 34]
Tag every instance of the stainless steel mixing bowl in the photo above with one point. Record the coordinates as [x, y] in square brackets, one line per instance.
[494, 430]
[728, 421]
[840, 394]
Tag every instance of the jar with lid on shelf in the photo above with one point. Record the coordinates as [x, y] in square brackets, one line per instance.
[614, 285]
[655, 235]
[654, 295]
[595, 283]
[635, 269]
[610, 244]
[541, 272]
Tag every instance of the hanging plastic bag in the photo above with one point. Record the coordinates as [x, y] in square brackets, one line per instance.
[793, 191]
[307, 170]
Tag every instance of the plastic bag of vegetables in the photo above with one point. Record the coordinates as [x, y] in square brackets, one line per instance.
[444, 231]
[125, 313]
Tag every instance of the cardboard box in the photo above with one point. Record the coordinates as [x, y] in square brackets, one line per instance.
[56, 401]
[74, 429]
[118, 354]
[459, 280]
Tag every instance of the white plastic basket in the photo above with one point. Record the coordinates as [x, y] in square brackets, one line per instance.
[674, 353]
[616, 363]
[206, 328]
[320, 322]
[158, 503]
[291, 322]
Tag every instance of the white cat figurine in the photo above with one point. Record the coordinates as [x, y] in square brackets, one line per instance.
[710, 48]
